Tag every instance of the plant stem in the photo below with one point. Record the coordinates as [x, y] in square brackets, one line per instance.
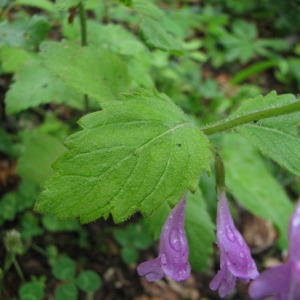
[251, 117]
[18, 269]
[82, 16]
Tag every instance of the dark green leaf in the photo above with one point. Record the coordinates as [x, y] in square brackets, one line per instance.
[31, 291]
[66, 291]
[89, 281]
[40, 151]
[64, 268]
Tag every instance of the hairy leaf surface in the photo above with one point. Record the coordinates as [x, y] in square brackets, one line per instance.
[133, 155]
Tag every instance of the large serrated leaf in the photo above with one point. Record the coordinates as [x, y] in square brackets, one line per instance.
[90, 70]
[253, 185]
[133, 155]
[270, 136]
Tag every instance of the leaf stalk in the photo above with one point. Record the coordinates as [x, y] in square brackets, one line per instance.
[251, 117]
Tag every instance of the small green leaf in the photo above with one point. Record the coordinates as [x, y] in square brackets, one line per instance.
[262, 103]
[148, 9]
[129, 255]
[41, 149]
[27, 33]
[133, 155]
[251, 183]
[66, 4]
[90, 70]
[64, 268]
[277, 137]
[89, 281]
[31, 291]
[30, 226]
[8, 206]
[156, 36]
[13, 58]
[35, 85]
[66, 291]
[53, 225]
[272, 139]
[42, 4]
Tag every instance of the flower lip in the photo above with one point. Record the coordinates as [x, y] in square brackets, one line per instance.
[173, 250]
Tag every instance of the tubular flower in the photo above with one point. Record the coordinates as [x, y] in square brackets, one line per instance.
[282, 282]
[235, 257]
[173, 250]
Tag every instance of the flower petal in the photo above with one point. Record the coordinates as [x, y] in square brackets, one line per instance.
[152, 269]
[232, 246]
[294, 234]
[224, 281]
[274, 281]
[174, 251]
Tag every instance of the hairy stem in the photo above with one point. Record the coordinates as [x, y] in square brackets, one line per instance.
[251, 117]
[83, 28]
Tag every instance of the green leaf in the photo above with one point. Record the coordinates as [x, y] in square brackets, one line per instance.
[26, 195]
[41, 150]
[8, 206]
[133, 155]
[66, 4]
[13, 58]
[148, 9]
[251, 183]
[89, 281]
[90, 70]
[6, 144]
[129, 255]
[155, 35]
[31, 291]
[35, 85]
[64, 268]
[269, 137]
[277, 137]
[263, 103]
[66, 291]
[24, 33]
[30, 226]
[53, 225]
[42, 4]
[200, 231]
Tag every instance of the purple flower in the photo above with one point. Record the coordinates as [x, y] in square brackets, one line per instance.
[235, 257]
[282, 282]
[173, 251]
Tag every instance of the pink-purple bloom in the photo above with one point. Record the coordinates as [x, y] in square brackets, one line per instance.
[173, 250]
[235, 258]
[282, 282]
